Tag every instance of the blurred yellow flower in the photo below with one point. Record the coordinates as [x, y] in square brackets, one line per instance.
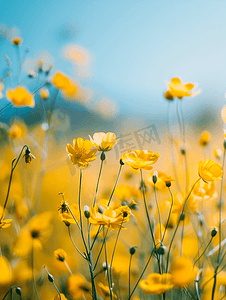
[44, 93]
[60, 254]
[34, 234]
[223, 114]
[179, 90]
[81, 154]
[209, 170]
[5, 271]
[17, 130]
[218, 153]
[205, 138]
[77, 286]
[140, 159]
[105, 291]
[157, 283]
[20, 97]
[169, 96]
[104, 141]
[62, 297]
[162, 180]
[126, 192]
[4, 223]
[110, 218]
[61, 81]
[182, 271]
[17, 41]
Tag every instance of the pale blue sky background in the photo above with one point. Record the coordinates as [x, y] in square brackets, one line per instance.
[137, 46]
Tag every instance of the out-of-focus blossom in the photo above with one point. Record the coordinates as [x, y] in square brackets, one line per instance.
[34, 234]
[77, 286]
[103, 141]
[180, 90]
[4, 223]
[17, 41]
[218, 153]
[126, 192]
[5, 271]
[17, 130]
[209, 170]
[44, 93]
[105, 291]
[182, 271]
[157, 283]
[140, 159]
[61, 297]
[81, 154]
[110, 218]
[60, 254]
[20, 97]
[205, 138]
[169, 96]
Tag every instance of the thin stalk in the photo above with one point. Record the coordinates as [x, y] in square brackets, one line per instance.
[98, 182]
[203, 252]
[160, 222]
[106, 259]
[112, 193]
[16, 160]
[113, 254]
[141, 274]
[172, 149]
[57, 290]
[67, 266]
[171, 242]
[130, 261]
[100, 250]
[220, 208]
[69, 231]
[68, 207]
[33, 271]
[95, 237]
[169, 213]
[10, 290]
[182, 237]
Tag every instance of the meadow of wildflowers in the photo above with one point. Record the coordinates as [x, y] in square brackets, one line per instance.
[77, 224]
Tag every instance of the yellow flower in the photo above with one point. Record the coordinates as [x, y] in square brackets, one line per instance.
[179, 90]
[157, 283]
[44, 93]
[77, 286]
[20, 97]
[182, 271]
[81, 154]
[34, 234]
[17, 130]
[16, 41]
[62, 297]
[110, 218]
[103, 141]
[60, 254]
[66, 216]
[4, 223]
[209, 170]
[205, 138]
[61, 81]
[140, 159]
[5, 271]
[105, 291]
[162, 180]
[57, 297]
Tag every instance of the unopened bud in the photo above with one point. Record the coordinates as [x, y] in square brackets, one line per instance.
[182, 151]
[18, 291]
[102, 157]
[214, 231]
[132, 250]
[162, 250]
[86, 211]
[155, 177]
[50, 277]
[121, 162]
[182, 216]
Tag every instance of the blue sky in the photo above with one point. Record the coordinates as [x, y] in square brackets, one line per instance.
[136, 46]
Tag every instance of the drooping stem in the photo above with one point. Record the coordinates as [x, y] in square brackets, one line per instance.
[69, 231]
[203, 252]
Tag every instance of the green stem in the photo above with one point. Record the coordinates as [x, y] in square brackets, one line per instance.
[169, 214]
[203, 252]
[69, 231]
[171, 242]
[160, 222]
[100, 250]
[120, 168]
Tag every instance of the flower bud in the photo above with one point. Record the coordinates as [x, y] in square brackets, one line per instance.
[121, 162]
[214, 231]
[182, 151]
[86, 211]
[18, 291]
[132, 250]
[162, 250]
[102, 157]
[182, 216]
[50, 277]
[155, 177]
